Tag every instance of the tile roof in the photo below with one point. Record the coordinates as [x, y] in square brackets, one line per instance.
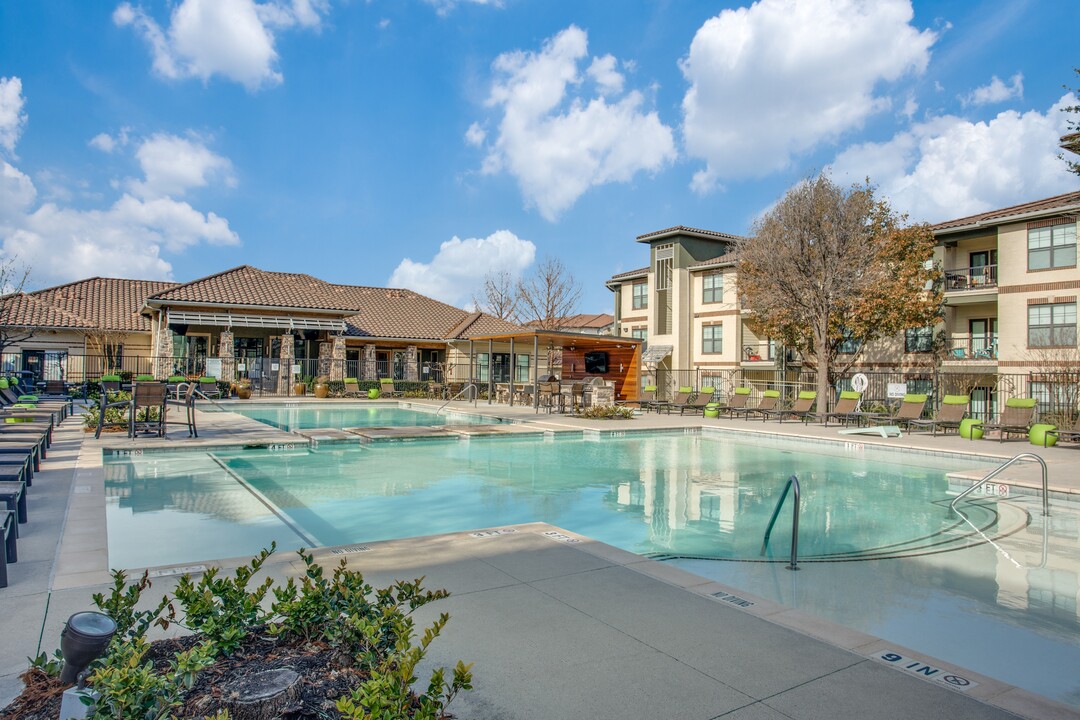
[95, 303]
[247, 285]
[399, 313]
[600, 320]
[725, 259]
[693, 231]
[630, 274]
[1048, 206]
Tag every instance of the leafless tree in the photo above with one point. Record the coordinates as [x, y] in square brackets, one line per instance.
[828, 267]
[13, 279]
[1071, 141]
[499, 296]
[548, 295]
[107, 343]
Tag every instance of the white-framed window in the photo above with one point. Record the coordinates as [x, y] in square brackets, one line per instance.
[1052, 247]
[640, 294]
[712, 339]
[1052, 325]
[712, 288]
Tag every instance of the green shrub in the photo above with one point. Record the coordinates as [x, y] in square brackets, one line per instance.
[112, 415]
[131, 688]
[606, 412]
[121, 605]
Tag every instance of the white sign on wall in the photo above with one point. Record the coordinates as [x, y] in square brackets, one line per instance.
[213, 367]
[896, 391]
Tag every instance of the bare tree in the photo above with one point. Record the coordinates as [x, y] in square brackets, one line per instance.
[827, 268]
[499, 296]
[1071, 141]
[108, 344]
[548, 295]
[13, 279]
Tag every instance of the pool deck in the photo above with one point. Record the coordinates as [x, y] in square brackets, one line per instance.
[558, 625]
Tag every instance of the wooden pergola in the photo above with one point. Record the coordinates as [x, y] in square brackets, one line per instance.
[624, 358]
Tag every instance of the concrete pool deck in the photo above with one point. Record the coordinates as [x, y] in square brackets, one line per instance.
[558, 625]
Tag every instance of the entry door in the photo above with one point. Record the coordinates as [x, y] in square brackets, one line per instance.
[382, 363]
[981, 271]
[34, 361]
[431, 365]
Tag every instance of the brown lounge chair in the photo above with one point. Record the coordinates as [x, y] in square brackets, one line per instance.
[802, 407]
[911, 409]
[647, 399]
[736, 403]
[697, 403]
[953, 409]
[845, 410]
[769, 400]
[1017, 417]
[681, 398]
[387, 388]
[1069, 435]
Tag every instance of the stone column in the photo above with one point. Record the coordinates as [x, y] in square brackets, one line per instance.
[285, 362]
[163, 351]
[337, 358]
[412, 366]
[325, 358]
[370, 370]
[228, 356]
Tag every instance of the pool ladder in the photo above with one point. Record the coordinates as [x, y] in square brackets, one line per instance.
[792, 483]
[996, 471]
[476, 394]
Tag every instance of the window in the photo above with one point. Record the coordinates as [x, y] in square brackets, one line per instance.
[849, 345]
[482, 367]
[1052, 325]
[920, 386]
[713, 288]
[918, 340]
[521, 368]
[641, 295]
[712, 339]
[665, 256]
[641, 334]
[1052, 247]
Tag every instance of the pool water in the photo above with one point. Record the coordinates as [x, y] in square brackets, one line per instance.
[307, 417]
[879, 547]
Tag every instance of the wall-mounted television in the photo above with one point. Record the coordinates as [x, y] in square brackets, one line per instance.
[596, 363]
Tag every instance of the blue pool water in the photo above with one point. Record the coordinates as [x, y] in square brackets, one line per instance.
[298, 416]
[882, 552]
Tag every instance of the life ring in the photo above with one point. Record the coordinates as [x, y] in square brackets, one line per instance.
[859, 382]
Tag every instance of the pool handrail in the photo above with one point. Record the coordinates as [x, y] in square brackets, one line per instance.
[459, 393]
[198, 393]
[996, 471]
[793, 482]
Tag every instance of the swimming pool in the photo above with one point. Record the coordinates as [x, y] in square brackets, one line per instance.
[900, 564]
[297, 416]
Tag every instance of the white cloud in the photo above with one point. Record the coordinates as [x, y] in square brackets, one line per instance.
[555, 138]
[996, 91]
[444, 7]
[103, 142]
[950, 167]
[232, 38]
[475, 135]
[126, 239]
[452, 274]
[778, 78]
[12, 117]
[172, 165]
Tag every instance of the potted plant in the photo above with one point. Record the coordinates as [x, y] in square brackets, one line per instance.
[322, 386]
[243, 389]
[299, 386]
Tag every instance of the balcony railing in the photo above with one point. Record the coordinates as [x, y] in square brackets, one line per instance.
[972, 347]
[979, 277]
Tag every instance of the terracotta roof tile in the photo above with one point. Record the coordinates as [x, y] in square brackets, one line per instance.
[630, 274]
[94, 303]
[399, 313]
[1070, 201]
[725, 259]
[246, 285]
[683, 229]
[599, 320]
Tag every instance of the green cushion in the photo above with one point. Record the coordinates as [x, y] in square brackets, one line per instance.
[807, 394]
[28, 398]
[771, 393]
[25, 406]
[386, 381]
[352, 381]
[707, 391]
[207, 380]
[686, 389]
[914, 398]
[3, 384]
[177, 378]
[1020, 403]
[955, 400]
[850, 395]
[18, 419]
[110, 378]
[742, 391]
[650, 388]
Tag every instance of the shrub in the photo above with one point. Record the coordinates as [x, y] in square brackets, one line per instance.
[121, 604]
[112, 415]
[131, 688]
[606, 412]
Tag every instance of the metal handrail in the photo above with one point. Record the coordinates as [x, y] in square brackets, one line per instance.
[461, 392]
[793, 482]
[996, 471]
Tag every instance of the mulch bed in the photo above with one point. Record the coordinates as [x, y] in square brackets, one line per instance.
[325, 675]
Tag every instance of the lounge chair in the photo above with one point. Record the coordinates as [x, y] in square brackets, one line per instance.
[846, 409]
[1069, 435]
[208, 386]
[953, 409]
[802, 407]
[698, 401]
[352, 388]
[681, 398]
[768, 403]
[736, 402]
[911, 409]
[1017, 417]
[387, 388]
[647, 400]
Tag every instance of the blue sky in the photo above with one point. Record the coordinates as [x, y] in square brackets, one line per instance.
[423, 143]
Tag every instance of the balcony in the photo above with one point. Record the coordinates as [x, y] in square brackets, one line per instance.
[765, 354]
[972, 348]
[980, 277]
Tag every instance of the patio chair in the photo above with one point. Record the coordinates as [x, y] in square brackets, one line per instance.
[1016, 418]
[803, 406]
[577, 395]
[911, 409]
[144, 395]
[954, 408]
[681, 398]
[352, 388]
[208, 386]
[647, 399]
[700, 399]
[387, 387]
[188, 405]
[768, 403]
[735, 403]
[845, 410]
